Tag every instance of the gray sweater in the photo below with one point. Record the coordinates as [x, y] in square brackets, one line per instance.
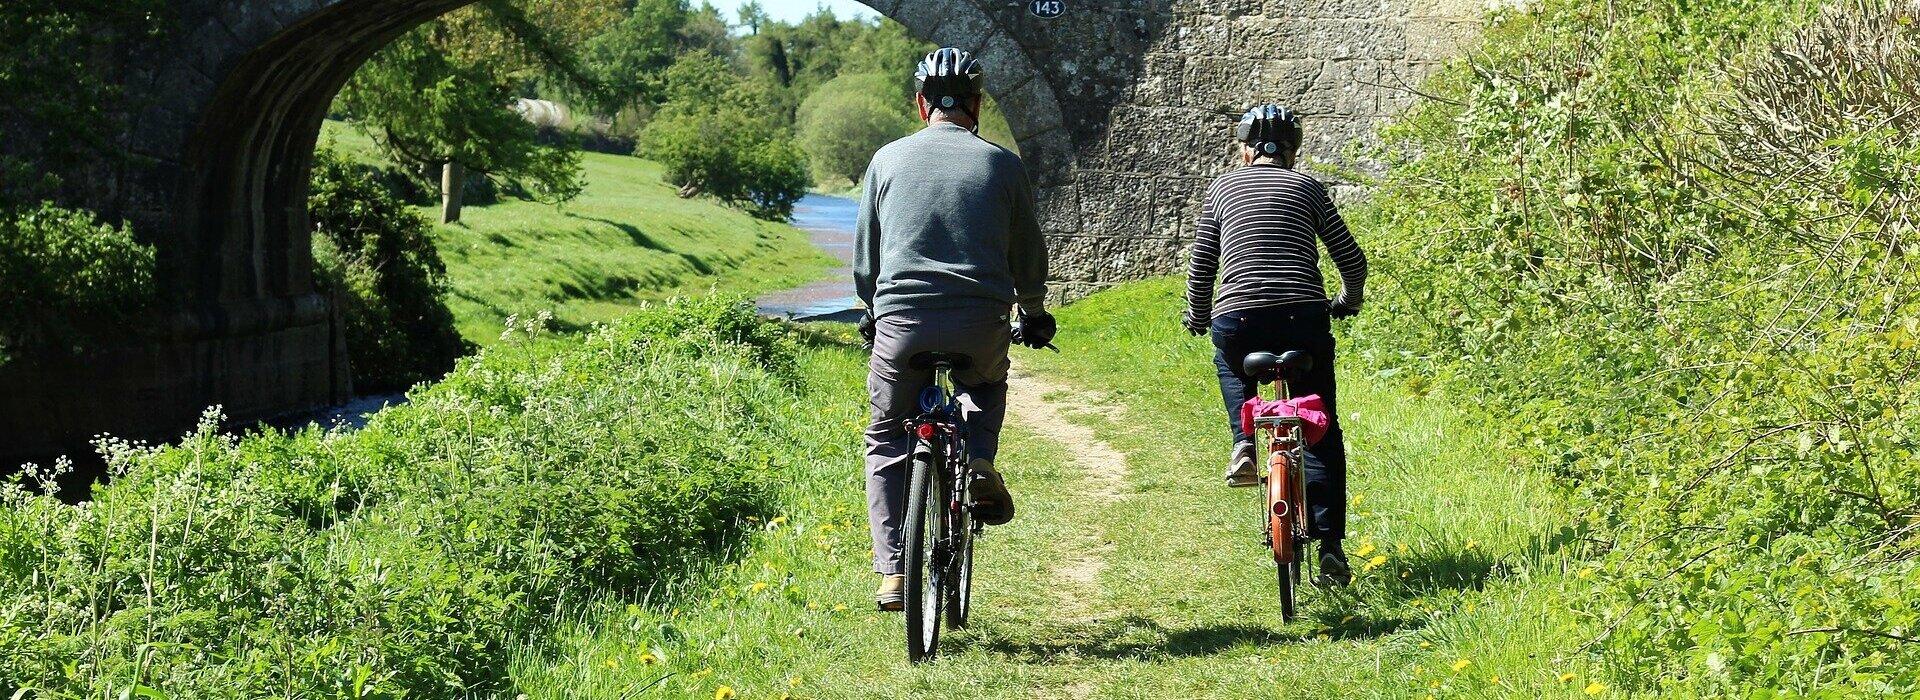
[947, 221]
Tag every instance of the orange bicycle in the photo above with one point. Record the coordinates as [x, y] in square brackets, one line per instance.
[1283, 484]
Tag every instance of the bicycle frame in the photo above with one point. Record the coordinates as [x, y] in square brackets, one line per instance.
[1283, 487]
[941, 428]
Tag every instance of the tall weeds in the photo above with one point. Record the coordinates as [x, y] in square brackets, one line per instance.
[417, 556]
[1669, 244]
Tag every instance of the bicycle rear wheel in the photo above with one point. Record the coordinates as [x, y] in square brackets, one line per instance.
[960, 603]
[1281, 519]
[920, 539]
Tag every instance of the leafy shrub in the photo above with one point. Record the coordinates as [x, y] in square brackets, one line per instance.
[414, 557]
[63, 273]
[376, 252]
[717, 137]
[844, 121]
[1688, 288]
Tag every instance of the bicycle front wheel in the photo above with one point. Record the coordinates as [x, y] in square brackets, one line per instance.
[921, 539]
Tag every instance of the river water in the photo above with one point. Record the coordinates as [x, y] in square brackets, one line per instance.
[828, 222]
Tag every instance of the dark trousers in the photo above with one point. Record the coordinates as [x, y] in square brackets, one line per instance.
[1278, 329]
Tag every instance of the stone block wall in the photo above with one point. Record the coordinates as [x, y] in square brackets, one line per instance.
[1151, 91]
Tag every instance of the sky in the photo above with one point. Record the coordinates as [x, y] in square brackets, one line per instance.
[794, 10]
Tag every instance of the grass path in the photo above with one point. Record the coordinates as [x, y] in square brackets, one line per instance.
[1130, 571]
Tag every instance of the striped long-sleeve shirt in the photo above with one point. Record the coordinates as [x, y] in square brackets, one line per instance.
[1258, 231]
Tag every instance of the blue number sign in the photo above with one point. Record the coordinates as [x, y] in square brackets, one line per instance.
[1047, 9]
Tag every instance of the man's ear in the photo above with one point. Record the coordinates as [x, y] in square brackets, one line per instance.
[976, 103]
[921, 102]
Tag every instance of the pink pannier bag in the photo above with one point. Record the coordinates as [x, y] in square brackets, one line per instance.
[1310, 409]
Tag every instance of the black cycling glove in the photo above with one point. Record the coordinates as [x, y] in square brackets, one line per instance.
[1340, 308]
[866, 327]
[1036, 331]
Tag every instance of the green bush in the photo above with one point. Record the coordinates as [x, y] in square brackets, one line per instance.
[64, 273]
[1668, 244]
[376, 253]
[717, 136]
[416, 556]
[844, 121]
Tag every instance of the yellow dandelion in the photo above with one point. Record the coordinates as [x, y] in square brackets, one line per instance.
[793, 682]
[702, 673]
[725, 693]
[612, 663]
[1401, 548]
[1461, 665]
[812, 605]
[1472, 543]
[777, 520]
[1434, 685]
[1494, 679]
[1583, 573]
[1418, 669]
[759, 586]
[1357, 498]
[648, 659]
[1364, 550]
[1405, 573]
[1594, 689]
[1375, 562]
[840, 608]
[1426, 645]
[1564, 677]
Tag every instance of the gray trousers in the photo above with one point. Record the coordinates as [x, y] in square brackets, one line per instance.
[893, 393]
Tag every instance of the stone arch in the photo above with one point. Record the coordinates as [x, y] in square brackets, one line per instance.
[237, 212]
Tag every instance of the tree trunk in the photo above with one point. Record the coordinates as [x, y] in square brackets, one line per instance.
[453, 190]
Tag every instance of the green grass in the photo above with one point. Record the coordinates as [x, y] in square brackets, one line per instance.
[1185, 606]
[627, 239]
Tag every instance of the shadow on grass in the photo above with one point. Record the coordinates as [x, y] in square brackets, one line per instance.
[1140, 638]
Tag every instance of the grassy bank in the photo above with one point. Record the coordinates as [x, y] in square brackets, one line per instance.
[1669, 246]
[627, 239]
[1148, 585]
[419, 556]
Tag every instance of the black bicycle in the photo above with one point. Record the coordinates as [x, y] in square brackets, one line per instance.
[940, 526]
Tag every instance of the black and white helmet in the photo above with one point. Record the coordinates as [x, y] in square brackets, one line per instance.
[1270, 129]
[948, 77]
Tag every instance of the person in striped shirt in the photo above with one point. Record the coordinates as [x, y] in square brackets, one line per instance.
[1260, 231]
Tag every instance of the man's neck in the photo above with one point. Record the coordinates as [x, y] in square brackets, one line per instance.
[941, 118]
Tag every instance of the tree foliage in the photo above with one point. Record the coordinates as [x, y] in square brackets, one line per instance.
[441, 93]
[718, 135]
[844, 122]
[375, 252]
[64, 273]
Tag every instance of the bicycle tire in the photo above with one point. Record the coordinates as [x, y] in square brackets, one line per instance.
[960, 603]
[923, 585]
[1289, 576]
[1282, 531]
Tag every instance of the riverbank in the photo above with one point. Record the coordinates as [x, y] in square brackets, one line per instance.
[629, 239]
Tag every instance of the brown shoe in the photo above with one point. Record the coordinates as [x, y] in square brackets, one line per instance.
[991, 502]
[892, 596]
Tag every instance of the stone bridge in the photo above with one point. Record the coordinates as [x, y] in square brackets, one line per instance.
[1123, 109]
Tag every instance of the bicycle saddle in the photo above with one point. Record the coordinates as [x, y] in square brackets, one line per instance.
[931, 360]
[1266, 367]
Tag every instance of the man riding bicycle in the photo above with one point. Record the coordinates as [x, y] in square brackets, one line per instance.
[946, 242]
[1257, 232]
